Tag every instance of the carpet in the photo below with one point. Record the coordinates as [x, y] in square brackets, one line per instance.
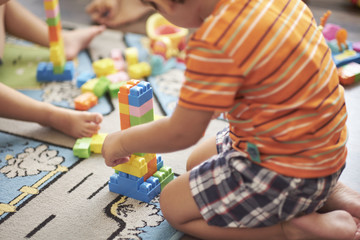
[48, 193]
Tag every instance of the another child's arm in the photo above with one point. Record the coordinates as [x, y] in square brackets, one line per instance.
[183, 129]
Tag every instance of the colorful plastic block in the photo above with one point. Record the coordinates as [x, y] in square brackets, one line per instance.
[131, 56]
[45, 72]
[133, 187]
[139, 70]
[81, 147]
[104, 67]
[137, 166]
[114, 88]
[85, 101]
[140, 94]
[83, 78]
[97, 141]
[349, 73]
[165, 176]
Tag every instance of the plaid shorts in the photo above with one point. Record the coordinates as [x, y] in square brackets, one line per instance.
[232, 191]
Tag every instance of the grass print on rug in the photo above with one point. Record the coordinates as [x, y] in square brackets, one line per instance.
[48, 193]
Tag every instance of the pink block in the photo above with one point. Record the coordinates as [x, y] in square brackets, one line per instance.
[52, 13]
[356, 46]
[118, 77]
[139, 111]
[116, 54]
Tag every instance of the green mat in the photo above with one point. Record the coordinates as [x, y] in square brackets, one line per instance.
[20, 63]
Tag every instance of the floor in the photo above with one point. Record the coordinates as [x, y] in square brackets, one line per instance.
[343, 13]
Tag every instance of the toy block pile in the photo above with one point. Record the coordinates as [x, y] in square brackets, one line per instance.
[58, 69]
[144, 176]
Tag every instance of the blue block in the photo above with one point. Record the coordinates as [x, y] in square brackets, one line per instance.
[160, 162]
[135, 187]
[140, 94]
[45, 72]
[84, 77]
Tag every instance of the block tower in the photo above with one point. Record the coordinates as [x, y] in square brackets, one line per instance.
[144, 175]
[57, 69]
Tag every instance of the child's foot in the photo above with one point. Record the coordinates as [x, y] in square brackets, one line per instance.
[337, 225]
[75, 123]
[78, 39]
[343, 198]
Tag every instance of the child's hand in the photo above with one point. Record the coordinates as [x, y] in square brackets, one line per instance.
[102, 11]
[113, 151]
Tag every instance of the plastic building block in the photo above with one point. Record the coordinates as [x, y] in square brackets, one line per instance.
[147, 117]
[81, 147]
[114, 88]
[83, 78]
[140, 94]
[104, 67]
[133, 187]
[330, 30]
[139, 70]
[45, 72]
[349, 73]
[118, 59]
[99, 86]
[131, 56]
[142, 110]
[85, 101]
[165, 176]
[137, 166]
[118, 77]
[97, 141]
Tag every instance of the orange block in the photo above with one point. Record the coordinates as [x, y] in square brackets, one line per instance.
[85, 101]
[55, 33]
[124, 121]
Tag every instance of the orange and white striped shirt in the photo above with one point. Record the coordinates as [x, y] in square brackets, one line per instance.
[266, 63]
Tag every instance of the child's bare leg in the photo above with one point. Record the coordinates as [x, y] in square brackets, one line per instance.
[343, 198]
[2, 30]
[23, 24]
[16, 105]
[183, 214]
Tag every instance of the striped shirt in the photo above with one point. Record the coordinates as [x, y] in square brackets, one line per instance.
[266, 64]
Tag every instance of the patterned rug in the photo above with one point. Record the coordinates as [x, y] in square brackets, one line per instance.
[44, 188]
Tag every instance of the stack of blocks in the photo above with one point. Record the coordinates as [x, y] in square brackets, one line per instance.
[145, 175]
[57, 69]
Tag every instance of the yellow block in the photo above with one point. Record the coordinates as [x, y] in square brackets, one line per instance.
[137, 166]
[97, 141]
[51, 5]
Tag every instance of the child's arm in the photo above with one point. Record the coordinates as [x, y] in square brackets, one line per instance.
[183, 129]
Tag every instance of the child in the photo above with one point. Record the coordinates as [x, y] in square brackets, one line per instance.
[266, 64]
[16, 20]
[113, 13]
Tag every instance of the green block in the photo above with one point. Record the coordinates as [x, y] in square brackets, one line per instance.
[101, 86]
[53, 21]
[147, 117]
[59, 69]
[81, 148]
[165, 175]
[114, 88]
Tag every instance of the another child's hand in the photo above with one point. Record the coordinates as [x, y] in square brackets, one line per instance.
[102, 11]
[113, 151]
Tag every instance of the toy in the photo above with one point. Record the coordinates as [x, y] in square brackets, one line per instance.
[131, 56]
[166, 39]
[58, 70]
[85, 101]
[104, 67]
[349, 73]
[99, 86]
[139, 70]
[144, 175]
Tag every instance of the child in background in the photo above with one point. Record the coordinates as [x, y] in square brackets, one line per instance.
[16, 20]
[276, 167]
